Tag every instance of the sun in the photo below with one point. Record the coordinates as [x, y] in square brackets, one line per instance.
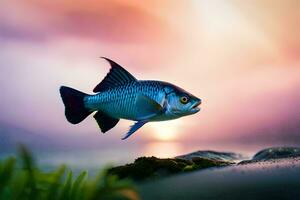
[165, 131]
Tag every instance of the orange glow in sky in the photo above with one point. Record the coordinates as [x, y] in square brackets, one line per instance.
[165, 131]
[163, 149]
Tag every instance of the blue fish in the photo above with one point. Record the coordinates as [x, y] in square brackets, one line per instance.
[121, 96]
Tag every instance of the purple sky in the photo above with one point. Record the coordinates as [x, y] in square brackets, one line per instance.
[243, 60]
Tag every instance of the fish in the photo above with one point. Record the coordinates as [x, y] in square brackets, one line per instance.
[121, 96]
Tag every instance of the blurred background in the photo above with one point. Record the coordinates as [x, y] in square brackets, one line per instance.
[242, 58]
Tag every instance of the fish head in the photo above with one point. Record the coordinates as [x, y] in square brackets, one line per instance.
[180, 103]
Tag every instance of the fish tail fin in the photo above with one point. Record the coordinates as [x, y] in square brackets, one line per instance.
[73, 100]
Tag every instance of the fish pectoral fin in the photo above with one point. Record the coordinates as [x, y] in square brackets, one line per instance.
[134, 128]
[147, 107]
[105, 122]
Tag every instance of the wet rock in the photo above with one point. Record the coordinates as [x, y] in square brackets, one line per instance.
[213, 155]
[277, 152]
[147, 168]
[273, 154]
[205, 162]
[259, 181]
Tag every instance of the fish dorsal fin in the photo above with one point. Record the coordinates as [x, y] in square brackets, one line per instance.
[116, 76]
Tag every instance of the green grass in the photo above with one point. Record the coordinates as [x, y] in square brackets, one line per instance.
[21, 179]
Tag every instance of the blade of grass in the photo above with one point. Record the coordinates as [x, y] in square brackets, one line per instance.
[29, 168]
[76, 186]
[65, 194]
[6, 172]
[55, 184]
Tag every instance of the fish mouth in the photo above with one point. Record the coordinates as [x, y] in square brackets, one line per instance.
[195, 107]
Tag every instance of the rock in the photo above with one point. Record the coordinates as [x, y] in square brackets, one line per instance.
[205, 162]
[259, 181]
[213, 155]
[146, 168]
[274, 153]
[149, 167]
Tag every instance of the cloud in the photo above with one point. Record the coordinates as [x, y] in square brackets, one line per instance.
[106, 21]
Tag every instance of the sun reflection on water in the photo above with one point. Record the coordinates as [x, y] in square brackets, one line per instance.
[163, 149]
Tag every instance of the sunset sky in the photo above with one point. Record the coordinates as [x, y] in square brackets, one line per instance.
[242, 58]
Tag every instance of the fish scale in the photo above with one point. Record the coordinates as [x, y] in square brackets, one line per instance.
[120, 101]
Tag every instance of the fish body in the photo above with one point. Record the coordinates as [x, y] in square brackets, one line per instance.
[121, 96]
[120, 102]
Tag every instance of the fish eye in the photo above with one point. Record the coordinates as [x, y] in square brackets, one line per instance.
[184, 99]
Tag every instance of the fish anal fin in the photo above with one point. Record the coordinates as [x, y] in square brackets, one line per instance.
[134, 128]
[105, 122]
[115, 77]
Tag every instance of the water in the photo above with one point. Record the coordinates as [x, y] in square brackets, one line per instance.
[94, 160]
